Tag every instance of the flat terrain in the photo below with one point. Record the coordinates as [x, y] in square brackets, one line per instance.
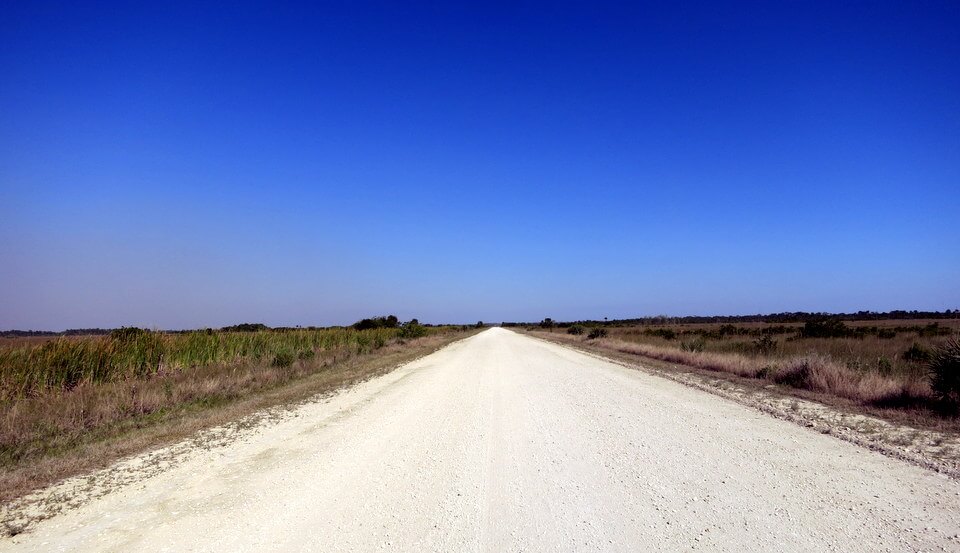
[502, 442]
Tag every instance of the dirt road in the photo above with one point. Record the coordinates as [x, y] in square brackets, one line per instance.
[505, 443]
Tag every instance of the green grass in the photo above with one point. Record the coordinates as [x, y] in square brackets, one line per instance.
[66, 362]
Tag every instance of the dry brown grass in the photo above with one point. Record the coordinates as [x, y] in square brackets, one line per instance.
[820, 374]
[738, 365]
[867, 353]
[51, 436]
[812, 371]
[870, 364]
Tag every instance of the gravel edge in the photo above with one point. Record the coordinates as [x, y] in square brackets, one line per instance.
[935, 451]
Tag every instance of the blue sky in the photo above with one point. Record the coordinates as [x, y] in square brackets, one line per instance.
[191, 165]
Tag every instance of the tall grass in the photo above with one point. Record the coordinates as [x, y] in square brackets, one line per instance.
[812, 371]
[886, 368]
[64, 363]
[896, 354]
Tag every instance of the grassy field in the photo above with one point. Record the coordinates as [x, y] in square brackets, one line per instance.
[878, 363]
[27, 370]
[73, 403]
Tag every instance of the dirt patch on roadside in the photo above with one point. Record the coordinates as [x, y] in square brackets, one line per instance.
[17, 515]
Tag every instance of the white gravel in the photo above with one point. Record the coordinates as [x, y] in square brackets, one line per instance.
[506, 443]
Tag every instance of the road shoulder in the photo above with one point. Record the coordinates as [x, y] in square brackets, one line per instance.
[930, 449]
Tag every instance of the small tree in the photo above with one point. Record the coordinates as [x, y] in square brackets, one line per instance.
[546, 323]
[389, 321]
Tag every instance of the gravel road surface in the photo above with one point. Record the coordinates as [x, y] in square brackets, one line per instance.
[502, 442]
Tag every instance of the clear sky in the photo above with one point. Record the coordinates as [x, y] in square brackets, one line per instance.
[191, 165]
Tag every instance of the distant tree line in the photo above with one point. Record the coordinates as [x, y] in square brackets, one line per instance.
[245, 327]
[388, 321]
[778, 318]
[391, 321]
[69, 332]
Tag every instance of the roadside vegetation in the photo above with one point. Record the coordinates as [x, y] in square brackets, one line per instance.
[888, 364]
[60, 393]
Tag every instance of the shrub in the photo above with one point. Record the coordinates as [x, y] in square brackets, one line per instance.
[884, 366]
[945, 375]
[413, 329]
[826, 328]
[547, 323]
[917, 353]
[283, 359]
[765, 372]
[576, 330]
[597, 333]
[934, 329]
[665, 333]
[730, 330]
[765, 344]
[799, 372]
[696, 344]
